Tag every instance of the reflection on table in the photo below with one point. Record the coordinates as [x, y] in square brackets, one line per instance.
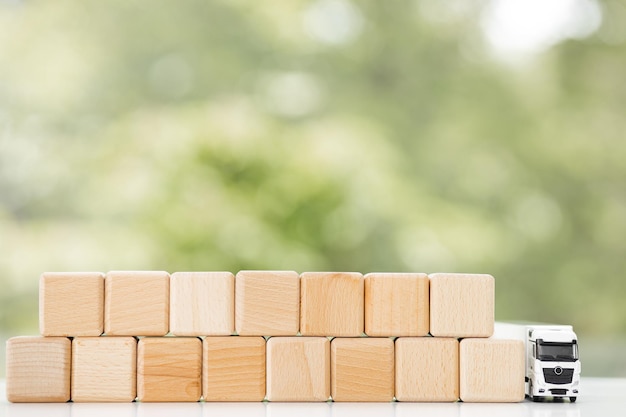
[599, 396]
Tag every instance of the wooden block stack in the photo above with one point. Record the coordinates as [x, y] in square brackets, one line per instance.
[275, 335]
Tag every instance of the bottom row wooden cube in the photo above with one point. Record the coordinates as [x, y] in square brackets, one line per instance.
[492, 370]
[104, 369]
[362, 369]
[233, 368]
[38, 369]
[298, 369]
[427, 369]
[169, 369]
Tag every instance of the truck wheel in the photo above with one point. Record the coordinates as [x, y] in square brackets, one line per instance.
[572, 399]
[534, 398]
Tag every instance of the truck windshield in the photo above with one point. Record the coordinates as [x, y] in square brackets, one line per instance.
[547, 351]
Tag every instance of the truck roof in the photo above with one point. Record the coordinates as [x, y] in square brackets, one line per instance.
[558, 327]
[563, 334]
[549, 332]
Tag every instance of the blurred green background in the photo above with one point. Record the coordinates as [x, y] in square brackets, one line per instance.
[470, 136]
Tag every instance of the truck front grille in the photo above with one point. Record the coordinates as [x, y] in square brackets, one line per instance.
[558, 391]
[552, 378]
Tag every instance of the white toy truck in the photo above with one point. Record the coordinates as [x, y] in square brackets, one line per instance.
[552, 364]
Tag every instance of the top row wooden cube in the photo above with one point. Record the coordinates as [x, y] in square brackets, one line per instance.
[396, 304]
[266, 303]
[137, 303]
[462, 305]
[202, 303]
[331, 304]
[71, 303]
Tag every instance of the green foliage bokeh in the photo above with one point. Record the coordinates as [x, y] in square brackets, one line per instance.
[222, 136]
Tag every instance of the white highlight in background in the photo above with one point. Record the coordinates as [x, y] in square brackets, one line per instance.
[519, 28]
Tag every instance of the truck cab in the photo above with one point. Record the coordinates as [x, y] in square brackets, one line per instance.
[552, 364]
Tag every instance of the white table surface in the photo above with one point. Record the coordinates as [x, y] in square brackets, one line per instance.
[599, 397]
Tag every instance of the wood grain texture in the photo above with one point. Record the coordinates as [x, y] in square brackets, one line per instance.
[71, 303]
[202, 303]
[298, 369]
[331, 304]
[397, 304]
[169, 369]
[427, 369]
[462, 305]
[136, 303]
[38, 369]
[104, 369]
[362, 369]
[233, 368]
[267, 303]
[492, 370]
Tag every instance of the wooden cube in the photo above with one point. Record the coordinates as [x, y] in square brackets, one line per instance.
[233, 368]
[136, 303]
[38, 369]
[298, 369]
[104, 369]
[331, 304]
[267, 303]
[202, 303]
[462, 305]
[362, 369]
[71, 303]
[396, 304]
[169, 368]
[427, 369]
[492, 370]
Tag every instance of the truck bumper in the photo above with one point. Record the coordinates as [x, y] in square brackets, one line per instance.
[554, 390]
